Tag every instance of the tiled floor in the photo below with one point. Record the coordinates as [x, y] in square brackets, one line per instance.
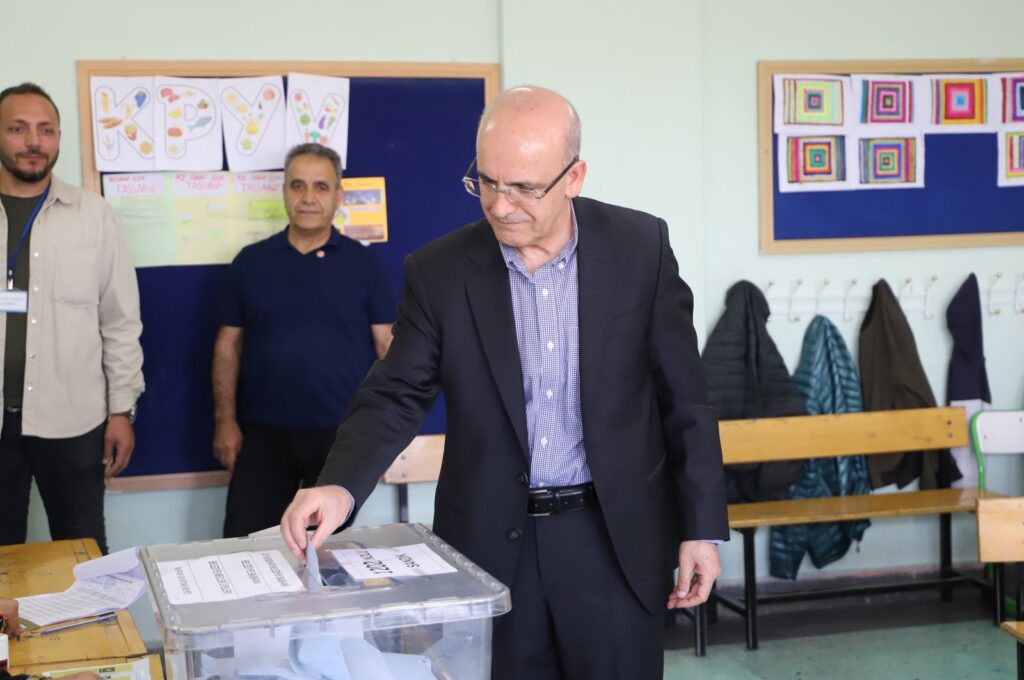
[902, 637]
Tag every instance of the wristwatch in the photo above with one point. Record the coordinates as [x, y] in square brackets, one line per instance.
[129, 414]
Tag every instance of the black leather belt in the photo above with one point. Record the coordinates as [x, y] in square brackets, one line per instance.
[556, 499]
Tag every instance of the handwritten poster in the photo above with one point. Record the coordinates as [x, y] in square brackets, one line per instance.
[188, 129]
[122, 123]
[318, 112]
[185, 218]
[253, 114]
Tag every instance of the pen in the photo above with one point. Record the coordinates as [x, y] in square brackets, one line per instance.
[106, 617]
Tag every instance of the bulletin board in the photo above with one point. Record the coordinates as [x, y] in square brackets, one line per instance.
[412, 123]
[959, 204]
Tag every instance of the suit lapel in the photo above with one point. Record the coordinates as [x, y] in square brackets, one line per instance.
[596, 291]
[490, 302]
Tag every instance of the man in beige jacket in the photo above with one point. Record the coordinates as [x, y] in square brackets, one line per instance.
[69, 332]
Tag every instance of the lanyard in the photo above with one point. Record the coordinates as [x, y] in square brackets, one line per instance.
[24, 234]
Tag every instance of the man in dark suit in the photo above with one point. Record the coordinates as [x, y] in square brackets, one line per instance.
[581, 461]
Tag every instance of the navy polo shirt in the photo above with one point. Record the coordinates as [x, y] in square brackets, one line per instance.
[306, 343]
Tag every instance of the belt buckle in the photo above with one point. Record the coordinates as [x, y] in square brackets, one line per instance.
[546, 496]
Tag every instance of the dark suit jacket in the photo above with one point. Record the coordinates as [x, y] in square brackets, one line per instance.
[650, 437]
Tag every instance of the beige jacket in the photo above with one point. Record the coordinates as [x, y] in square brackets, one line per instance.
[83, 359]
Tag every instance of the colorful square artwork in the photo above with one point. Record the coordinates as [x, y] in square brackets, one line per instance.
[888, 160]
[1013, 98]
[959, 101]
[812, 101]
[816, 159]
[1014, 160]
[887, 101]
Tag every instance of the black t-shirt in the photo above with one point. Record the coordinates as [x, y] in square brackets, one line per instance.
[18, 211]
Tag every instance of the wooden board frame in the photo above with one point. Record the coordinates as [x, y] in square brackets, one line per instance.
[766, 168]
[490, 73]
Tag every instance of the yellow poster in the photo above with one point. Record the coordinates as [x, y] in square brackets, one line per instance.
[364, 212]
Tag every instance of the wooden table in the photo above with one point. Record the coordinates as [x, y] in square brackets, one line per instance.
[156, 669]
[37, 568]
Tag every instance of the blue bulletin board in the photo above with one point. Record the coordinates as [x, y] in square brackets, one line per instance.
[960, 204]
[413, 124]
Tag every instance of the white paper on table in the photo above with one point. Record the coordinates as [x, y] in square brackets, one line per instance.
[126, 560]
[84, 598]
[318, 109]
[122, 123]
[228, 577]
[253, 114]
[187, 124]
[407, 560]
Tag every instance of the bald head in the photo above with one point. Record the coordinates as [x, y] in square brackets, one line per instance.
[535, 112]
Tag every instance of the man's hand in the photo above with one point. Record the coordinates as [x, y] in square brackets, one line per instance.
[698, 569]
[118, 444]
[326, 506]
[227, 442]
[9, 613]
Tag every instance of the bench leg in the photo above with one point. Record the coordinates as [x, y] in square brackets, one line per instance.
[998, 579]
[750, 586]
[946, 553]
[712, 605]
[1020, 617]
[700, 630]
[403, 502]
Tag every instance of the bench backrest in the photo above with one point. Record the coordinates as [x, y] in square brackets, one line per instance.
[770, 439]
[794, 438]
[1001, 529]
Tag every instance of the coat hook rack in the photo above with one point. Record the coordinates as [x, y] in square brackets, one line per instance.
[847, 316]
[821, 291]
[793, 316]
[991, 308]
[927, 289]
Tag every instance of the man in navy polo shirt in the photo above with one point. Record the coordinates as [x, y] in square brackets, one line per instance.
[304, 314]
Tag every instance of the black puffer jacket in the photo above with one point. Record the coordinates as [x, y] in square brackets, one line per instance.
[747, 378]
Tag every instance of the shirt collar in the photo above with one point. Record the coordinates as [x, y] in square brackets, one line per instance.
[513, 261]
[63, 192]
[333, 241]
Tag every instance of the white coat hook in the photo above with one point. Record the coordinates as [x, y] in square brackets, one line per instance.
[817, 299]
[847, 316]
[793, 316]
[927, 289]
[906, 289]
[992, 309]
[1018, 296]
[767, 290]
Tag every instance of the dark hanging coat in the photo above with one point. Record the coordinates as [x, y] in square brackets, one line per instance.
[967, 379]
[892, 378]
[747, 378]
[827, 379]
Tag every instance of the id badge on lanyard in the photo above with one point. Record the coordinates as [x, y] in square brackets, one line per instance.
[12, 300]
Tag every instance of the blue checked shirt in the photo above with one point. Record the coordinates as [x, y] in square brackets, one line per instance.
[545, 305]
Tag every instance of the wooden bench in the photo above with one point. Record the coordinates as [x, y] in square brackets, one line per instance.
[1001, 540]
[803, 437]
[798, 438]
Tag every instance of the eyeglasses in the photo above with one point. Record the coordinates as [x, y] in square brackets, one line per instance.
[517, 193]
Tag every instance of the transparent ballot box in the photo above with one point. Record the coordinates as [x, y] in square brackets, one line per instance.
[382, 602]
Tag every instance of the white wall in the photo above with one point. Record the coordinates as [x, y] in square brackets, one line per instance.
[735, 35]
[666, 91]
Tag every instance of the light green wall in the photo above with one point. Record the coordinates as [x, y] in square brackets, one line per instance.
[666, 91]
